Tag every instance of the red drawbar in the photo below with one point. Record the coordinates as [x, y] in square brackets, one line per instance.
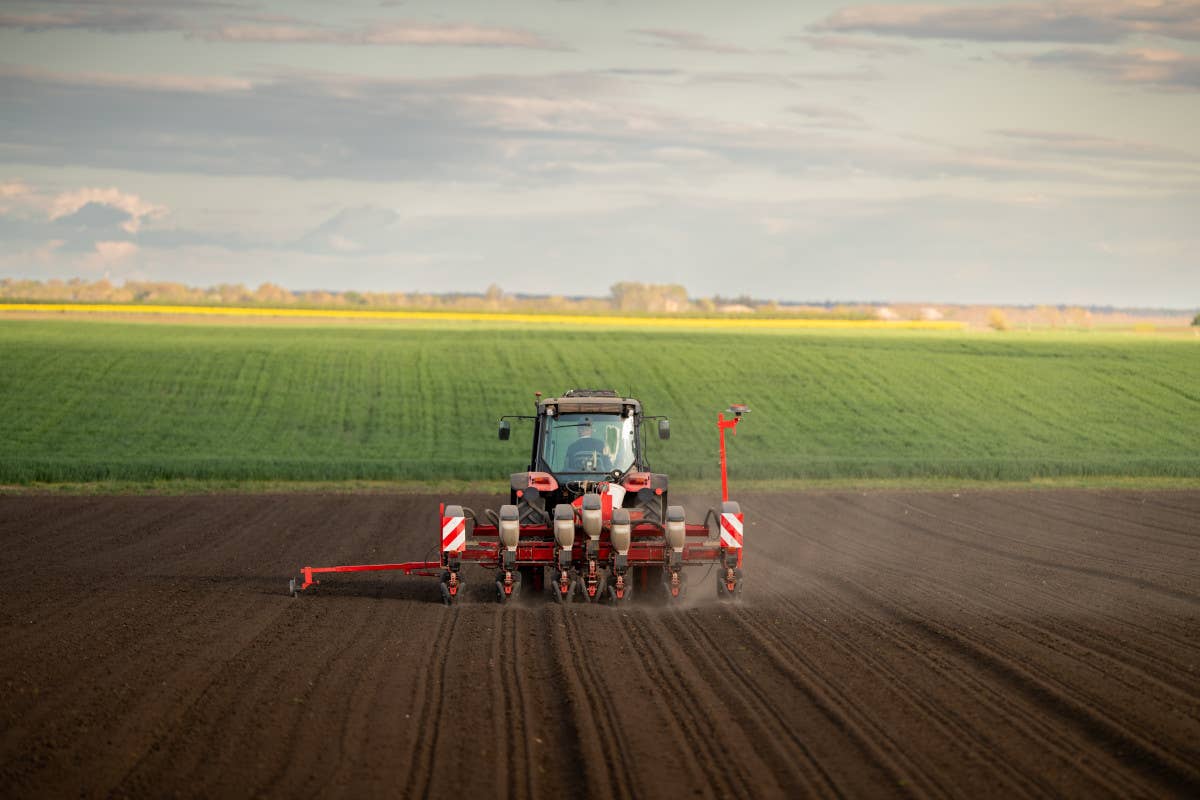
[426, 569]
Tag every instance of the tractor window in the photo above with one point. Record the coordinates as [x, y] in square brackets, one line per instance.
[588, 443]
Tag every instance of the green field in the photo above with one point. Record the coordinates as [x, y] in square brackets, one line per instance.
[85, 401]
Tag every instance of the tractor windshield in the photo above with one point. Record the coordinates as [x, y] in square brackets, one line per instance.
[588, 443]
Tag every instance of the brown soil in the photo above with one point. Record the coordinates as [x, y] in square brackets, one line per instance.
[890, 644]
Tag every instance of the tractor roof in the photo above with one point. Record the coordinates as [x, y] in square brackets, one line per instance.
[595, 401]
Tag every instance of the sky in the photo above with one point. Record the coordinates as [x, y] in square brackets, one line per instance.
[969, 152]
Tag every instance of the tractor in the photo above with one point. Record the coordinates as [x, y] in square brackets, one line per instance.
[588, 520]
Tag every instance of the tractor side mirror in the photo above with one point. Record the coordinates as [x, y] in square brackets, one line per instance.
[664, 429]
[505, 430]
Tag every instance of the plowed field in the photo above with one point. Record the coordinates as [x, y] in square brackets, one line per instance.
[890, 644]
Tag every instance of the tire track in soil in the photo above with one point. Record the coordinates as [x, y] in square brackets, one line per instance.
[1117, 525]
[1148, 759]
[804, 775]
[600, 744]
[1133, 657]
[273, 704]
[516, 771]
[1092, 572]
[956, 730]
[429, 718]
[1036, 727]
[360, 729]
[1104, 730]
[335, 671]
[691, 730]
[1105, 734]
[1179, 506]
[857, 724]
[888, 605]
[886, 560]
[1064, 522]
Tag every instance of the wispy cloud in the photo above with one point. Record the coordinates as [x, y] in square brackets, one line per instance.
[787, 80]
[384, 33]
[561, 130]
[1166, 69]
[132, 16]
[228, 22]
[828, 116]
[853, 44]
[688, 40]
[155, 82]
[1086, 145]
[1078, 22]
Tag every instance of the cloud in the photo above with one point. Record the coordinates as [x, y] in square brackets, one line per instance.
[13, 194]
[229, 22]
[110, 19]
[828, 116]
[853, 44]
[1085, 145]
[365, 229]
[575, 130]
[108, 253]
[136, 209]
[88, 227]
[784, 80]
[1078, 22]
[1166, 69]
[688, 40]
[384, 33]
[160, 81]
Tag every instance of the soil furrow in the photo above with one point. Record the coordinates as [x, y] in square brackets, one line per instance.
[615, 762]
[889, 644]
[429, 717]
[1154, 764]
[698, 718]
[880, 748]
[956, 728]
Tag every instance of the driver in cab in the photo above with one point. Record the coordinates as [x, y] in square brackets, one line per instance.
[587, 452]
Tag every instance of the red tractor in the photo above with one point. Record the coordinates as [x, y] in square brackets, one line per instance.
[587, 519]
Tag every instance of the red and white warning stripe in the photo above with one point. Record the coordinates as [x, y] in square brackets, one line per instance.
[454, 534]
[731, 529]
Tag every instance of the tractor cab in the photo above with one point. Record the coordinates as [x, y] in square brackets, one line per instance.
[587, 441]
